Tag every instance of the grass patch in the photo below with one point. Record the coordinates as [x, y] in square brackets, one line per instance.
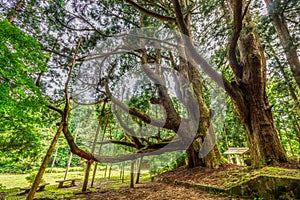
[11, 183]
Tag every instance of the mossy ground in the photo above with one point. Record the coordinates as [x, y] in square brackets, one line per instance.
[226, 176]
[210, 180]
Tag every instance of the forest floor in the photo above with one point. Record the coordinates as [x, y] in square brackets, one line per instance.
[110, 190]
[227, 175]
[166, 185]
[154, 190]
[223, 177]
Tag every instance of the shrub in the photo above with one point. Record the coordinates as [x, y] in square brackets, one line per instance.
[30, 178]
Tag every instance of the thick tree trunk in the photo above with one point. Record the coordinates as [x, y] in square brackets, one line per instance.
[193, 157]
[212, 160]
[249, 89]
[191, 73]
[262, 135]
[205, 132]
[252, 103]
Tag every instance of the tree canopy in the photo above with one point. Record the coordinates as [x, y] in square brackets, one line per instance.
[160, 66]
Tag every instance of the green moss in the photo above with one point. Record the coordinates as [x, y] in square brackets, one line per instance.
[237, 177]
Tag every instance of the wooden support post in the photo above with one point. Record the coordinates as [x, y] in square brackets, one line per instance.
[54, 158]
[139, 165]
[71, 155]
[86, 175]
[123, 171]
[132, 174]
[40, 174]
[105, 170]
[94, 173]
[96, 138]
[150, 171]
[109, 171]
[123, 167]
[103, 134]
[61, 126]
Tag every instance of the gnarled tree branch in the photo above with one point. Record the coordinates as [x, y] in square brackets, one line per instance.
[150, 13]
[237, 68]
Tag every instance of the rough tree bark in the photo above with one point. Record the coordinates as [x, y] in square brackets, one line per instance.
[281, 27]
[249, 95]
[191, 73]
[248, 90]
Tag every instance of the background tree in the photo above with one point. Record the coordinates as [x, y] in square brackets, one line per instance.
[21, 57]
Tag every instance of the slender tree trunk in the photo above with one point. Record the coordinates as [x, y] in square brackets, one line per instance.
[123, 167]
[121, 171]
[226, 138]
[292, 89]
[290, 49]
[68, 165]
[40, 174]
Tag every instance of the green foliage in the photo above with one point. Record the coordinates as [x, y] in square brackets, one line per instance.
[2, 187]
[21, 103]
[31, 177]
[16, 166]
[175, 163]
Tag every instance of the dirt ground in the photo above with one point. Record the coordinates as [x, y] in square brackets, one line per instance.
[201, 175]
[169, 191]
[227, 175]
[161, 191]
